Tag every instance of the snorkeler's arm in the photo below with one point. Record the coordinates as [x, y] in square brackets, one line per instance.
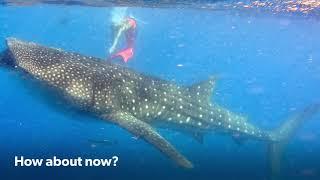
[116, 39]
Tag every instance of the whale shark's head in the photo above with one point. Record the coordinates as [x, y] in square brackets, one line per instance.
[6, 58]
[28, 56]
[52, 67]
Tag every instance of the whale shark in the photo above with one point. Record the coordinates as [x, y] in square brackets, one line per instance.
[140, 103]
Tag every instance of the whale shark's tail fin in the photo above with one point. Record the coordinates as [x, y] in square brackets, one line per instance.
[283, 134]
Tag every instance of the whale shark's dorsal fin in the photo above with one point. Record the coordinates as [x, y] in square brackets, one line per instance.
[145, 131]
[204, 89]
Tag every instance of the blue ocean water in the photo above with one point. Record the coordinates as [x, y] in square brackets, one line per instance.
[267, 67]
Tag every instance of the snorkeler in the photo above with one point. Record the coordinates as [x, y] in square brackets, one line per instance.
[128, 27]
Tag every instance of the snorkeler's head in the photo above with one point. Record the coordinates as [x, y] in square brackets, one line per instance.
[131, 22]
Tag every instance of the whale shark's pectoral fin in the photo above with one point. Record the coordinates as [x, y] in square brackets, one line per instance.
[145, 131]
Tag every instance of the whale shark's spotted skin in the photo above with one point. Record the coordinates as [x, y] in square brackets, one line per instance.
[132, 100]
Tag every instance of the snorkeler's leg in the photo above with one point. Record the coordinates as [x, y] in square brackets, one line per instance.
[116, 40]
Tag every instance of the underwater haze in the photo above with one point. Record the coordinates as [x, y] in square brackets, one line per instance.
[266, 64]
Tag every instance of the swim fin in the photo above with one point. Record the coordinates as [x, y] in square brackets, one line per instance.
[125, 54]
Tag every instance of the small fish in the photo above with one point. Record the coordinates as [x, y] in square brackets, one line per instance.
[104, 142]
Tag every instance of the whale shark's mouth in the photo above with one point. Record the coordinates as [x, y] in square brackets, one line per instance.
[9, 42]
[6, 59]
